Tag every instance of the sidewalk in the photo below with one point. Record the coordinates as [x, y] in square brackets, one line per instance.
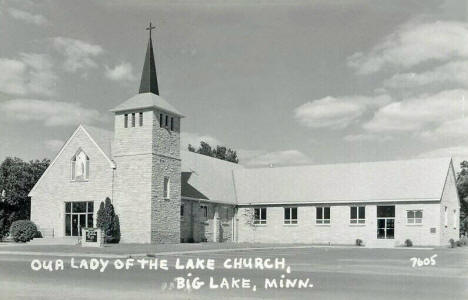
[152, 250]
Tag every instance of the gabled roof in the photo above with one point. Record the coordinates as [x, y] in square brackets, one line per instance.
[102, 137]
[146, 101]
[408, 180]
[207, 178]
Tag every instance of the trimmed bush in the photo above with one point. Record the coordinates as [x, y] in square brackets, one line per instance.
[23, 231]
[358, 242]
[408, 243]
[452, 243]
[108, 221]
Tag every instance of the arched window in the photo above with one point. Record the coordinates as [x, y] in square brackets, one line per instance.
[80, 166]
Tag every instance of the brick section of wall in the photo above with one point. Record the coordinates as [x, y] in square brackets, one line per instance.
[132, 197]
[340, 231]
[56, 186]
[165, 213]
[449, 200]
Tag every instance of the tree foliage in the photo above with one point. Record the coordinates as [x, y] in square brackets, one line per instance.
[462, 187]
[17, 178]
[108, 221]
[220, 152]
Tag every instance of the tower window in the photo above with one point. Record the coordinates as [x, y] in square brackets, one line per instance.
[133, 119]
[167, 188]
[160, 120]
[126, 120]
[172, 123]
[141, 119]
[167, 120]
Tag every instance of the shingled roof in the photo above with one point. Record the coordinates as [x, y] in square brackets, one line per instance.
[405, 180]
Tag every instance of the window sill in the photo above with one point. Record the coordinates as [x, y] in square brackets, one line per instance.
[357, 225]
[417, 225]
[79, 180]
[259, 225]
[324, 225]
[290, 225]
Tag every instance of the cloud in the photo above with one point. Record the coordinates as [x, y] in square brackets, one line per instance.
[336, 113]
[27, 16]
[50, 113]
[452, 72]
[123, 71]
[363, 137]
[419, 114]
[78, 54]
[194, 139]
[54, 145]
[30, 74]
[456, 151]
[255, 158]
[413, 44]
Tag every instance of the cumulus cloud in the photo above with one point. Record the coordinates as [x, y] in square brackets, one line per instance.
[123, 71]
[364, 137]
[54, 145]
[194, 139]
[418, 114]
[336, 113]
[78, 54]
[413, 44]
[452, 72]
[27, 16]
[254, 158]
[30, 74]
[50, 113]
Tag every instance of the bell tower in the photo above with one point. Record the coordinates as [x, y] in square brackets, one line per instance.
[146, 150]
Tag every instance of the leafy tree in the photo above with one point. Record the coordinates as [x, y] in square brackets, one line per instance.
[462, 187]
[17, 178]
[108, 221]
[220, 152]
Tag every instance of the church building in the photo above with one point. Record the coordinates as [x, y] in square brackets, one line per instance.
[163, 194]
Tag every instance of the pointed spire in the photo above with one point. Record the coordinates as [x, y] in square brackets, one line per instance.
[149, 81]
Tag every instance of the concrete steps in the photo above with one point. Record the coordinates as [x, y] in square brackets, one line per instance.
[55, 241]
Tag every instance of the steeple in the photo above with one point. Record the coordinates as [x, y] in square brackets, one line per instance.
[149, 81]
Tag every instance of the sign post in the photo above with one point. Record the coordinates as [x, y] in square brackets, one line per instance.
[92, 237]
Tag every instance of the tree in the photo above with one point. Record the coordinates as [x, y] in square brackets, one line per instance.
[17, 178]
[220, 152]
[462, 187]
[108, 221]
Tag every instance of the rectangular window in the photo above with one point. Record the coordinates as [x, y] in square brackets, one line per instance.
[290, 215]
[172, 124]
[126, 120]
[77, 216]
[181, 211]
[446, 217]
[357, 215]
[167, 188]
[414, 217]
[260, 216]
[141, 119]
[160, 120]
[204, 211]
[323, 215]
[455, 219]
[133, 119]
[167, 121]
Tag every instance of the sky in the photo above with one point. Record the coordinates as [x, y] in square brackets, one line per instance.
[282, 82]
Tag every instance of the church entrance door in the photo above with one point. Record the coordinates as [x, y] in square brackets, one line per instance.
[77, 216]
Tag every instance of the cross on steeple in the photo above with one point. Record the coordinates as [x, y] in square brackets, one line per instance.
[149, 28]
[149, 81]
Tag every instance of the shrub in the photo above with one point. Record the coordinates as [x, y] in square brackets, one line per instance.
[108, 221]
[358, 242]
[452, 243]
[23, 231]
[459, 243]
[408, 243]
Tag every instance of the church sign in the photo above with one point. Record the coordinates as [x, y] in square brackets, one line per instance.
[92, 237]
